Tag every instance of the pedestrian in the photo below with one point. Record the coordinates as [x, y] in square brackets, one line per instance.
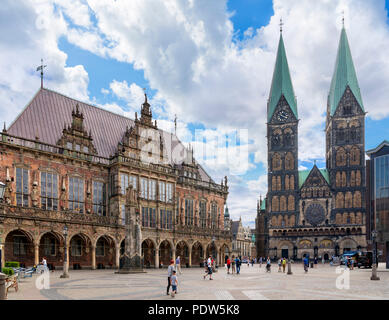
[260, 262]
[248, 261]
[178, 264]
[322, 260]
[44, 262]
[352, 263]
[252, 262]
[315, 261]
[238, 264]
[174, 283]
[268, 265]
[233, 264]
[170, 270]
[228, 265]
[279, 265]
[306, 264]
[209, 265]
[283, 265]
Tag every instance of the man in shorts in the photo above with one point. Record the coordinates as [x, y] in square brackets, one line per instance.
[209, 264]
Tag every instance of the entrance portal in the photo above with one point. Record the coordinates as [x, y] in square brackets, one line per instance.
[285, 253]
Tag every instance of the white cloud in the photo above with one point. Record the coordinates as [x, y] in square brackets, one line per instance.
[188, 55]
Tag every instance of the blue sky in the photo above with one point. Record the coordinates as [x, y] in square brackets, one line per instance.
[209, 63]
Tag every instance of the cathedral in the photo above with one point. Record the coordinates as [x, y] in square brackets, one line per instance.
[321, 211]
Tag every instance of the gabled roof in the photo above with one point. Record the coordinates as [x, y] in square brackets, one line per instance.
[376, 149]
[47, 113]
[304, 174]
[344, 75]
[281, 83]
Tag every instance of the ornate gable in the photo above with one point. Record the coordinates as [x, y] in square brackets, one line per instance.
[75, 137]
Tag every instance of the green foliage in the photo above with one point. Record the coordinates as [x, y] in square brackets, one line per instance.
[12, 264]
[8, 271]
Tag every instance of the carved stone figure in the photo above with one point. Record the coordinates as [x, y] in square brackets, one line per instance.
[35, 194]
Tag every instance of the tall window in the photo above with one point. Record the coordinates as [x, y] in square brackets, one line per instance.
[49, 247]
[49, 191]
[148, 217]
[152, 189]
[76, 194]
[126, 180]
[162, 191]
[188, 212]
[213, 215]
[22, 187]
[166, 219]
[19, 245]
[76, 247]
[100, 247]
[143, 188]
[169, 192]
[99, 198]
[203, 214]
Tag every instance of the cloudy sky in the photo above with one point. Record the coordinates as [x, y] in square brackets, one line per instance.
[210, 62]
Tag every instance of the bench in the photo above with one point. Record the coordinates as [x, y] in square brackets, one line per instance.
[11, 282]
[28, 272]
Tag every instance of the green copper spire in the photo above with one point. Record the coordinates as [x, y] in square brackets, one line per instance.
[344, 75]
[281, 83]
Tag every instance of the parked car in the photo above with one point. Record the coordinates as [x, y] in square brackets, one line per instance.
[365, 259]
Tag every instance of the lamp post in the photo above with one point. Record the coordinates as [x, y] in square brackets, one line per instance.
[65, 260]
[374, 267]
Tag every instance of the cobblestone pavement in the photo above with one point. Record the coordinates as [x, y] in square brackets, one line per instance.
[252, 284]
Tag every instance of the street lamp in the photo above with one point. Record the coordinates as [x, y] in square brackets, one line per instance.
[374, 268]
[65, 260]
[2, 190]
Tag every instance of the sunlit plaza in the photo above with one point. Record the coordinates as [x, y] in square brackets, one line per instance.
[253, 283]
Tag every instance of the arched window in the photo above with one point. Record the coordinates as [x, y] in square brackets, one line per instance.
[357, 199]
[344, 179]
[291, 204]
[348, 200]
[291, 182]
[338, 219]
[274, 183]
[352, 179]
[283, 206]
[358, 178]
[292, 221]
[341, 157]
[286, 182]
[279, 185]
[276, 162]
[275, 204]
[355, 155]
[274, 221]
[338, 179]
[339, 200]
[289, 161]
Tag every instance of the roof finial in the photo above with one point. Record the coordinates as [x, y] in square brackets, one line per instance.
[5, 128]
[343, 18]
[281, 25]
[40, 68]
[314, 162]
[144, 90]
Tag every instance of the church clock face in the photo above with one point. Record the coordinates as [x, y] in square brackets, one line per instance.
[282, 115]
[315, 214]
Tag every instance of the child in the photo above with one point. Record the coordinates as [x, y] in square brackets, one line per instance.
[174, 283]
[228, 265]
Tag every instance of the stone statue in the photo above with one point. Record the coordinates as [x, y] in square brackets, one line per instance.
[131, 261]
[62, 197]
[35, 194]
[225, 181]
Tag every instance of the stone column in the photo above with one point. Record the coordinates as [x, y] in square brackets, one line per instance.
[67, 256]
[2, 286]
[93, 248]
[190, 257]
[156, 257]
[174, 254]
[2, 256]
[36, 254]
[117, 256]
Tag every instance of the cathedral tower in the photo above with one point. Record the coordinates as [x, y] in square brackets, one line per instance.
[345, 140]
[282, 140]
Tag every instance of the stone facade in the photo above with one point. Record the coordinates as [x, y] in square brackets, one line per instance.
[241, 239]
[320, 212]
[81, 179]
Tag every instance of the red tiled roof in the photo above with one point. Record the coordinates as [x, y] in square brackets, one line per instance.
[47, 113]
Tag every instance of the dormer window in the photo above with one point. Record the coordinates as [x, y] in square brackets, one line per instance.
[85, 149]
[69, 145]
[78, 147]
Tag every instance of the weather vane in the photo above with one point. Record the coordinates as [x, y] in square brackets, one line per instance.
[281, 25]
[343, 18]
[40, 68]
[175, 124]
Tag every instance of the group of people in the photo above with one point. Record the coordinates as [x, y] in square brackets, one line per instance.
[234, 264]
[172, 280]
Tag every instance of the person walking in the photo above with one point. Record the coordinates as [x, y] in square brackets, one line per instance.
[315, 262]
[306, 264]
[228, 265]
[44, 263]
[178, 264]
[260, 262]
[209, 265]
[279, 264]
[252, 262]
[238, 263]
[170, 270]
[268, 265]
[233, 264]
[174, 283]
[283, 265]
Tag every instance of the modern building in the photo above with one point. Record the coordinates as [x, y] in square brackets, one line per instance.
[68, 163]
[321, 211]
[377, 195]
